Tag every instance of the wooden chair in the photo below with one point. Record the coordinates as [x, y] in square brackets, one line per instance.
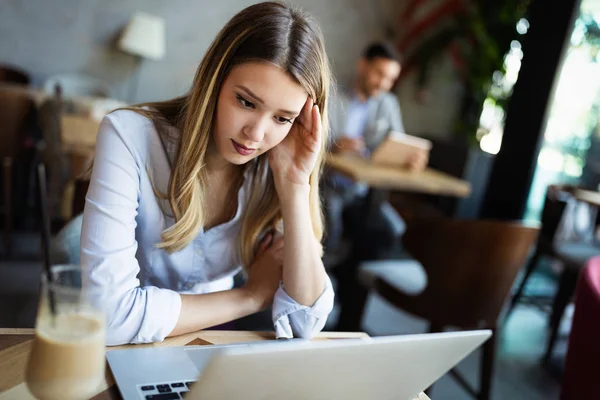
[470, 267]
[573, 256]
[15, 106]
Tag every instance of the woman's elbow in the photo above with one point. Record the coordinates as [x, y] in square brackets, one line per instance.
[122, 325]
[308, 328]
[116, 338]
[118, 330]
[306, 333]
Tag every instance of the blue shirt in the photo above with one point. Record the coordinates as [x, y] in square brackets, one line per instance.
[358, 112]
[356, 122]
[122, 223]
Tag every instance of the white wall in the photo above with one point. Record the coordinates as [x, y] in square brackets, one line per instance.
[435, 115]
[47, 37]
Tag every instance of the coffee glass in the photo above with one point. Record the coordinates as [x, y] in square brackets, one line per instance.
[67, 360]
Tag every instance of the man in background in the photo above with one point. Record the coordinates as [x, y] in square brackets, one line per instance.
[361, 117]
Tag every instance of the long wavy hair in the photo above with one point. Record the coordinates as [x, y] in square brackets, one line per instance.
[272, 32]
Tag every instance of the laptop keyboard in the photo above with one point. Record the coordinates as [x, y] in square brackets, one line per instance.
[177, 389]
[165, 391]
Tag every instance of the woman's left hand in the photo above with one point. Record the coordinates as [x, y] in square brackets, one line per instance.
[294, 159]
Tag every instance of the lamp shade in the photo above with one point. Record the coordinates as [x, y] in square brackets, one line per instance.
[144, 36]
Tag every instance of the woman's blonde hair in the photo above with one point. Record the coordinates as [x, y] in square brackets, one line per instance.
[271, 32]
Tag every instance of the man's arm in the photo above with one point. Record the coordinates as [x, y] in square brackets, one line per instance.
[338, 142]
[395, 114]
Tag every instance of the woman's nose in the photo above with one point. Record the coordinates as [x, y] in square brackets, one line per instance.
[255, 130]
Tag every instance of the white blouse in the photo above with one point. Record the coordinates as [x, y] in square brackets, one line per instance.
[139, 284]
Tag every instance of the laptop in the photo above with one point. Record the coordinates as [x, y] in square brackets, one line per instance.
[392, 367]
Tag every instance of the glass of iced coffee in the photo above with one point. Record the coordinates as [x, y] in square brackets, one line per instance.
[67, 360]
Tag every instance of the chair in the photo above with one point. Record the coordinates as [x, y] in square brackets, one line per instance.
[63, 248]
[15, 107]
[573, 256]
[65, 163]
[580, 379]
[470, 267]
[80, 163]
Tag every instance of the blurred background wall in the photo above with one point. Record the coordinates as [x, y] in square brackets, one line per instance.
[65, 36]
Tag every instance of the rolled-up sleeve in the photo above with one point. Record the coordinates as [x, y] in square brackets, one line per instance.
[134, 314]
[292, 319]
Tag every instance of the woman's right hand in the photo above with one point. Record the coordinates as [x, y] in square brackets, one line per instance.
[265, 272]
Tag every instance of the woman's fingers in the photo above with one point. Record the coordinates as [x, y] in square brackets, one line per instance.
[277, 244]
[266, 242]
[317, 129]
[305, 117]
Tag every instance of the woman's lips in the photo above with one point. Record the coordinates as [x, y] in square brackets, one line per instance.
[241, 149]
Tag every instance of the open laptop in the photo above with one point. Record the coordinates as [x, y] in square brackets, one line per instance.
[393, 367]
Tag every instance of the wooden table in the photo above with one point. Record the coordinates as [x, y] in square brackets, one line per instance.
[15, 345]
[588, 196]
[375, 176]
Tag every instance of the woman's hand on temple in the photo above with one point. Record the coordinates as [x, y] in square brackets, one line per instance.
[294, 159]
[265, 273]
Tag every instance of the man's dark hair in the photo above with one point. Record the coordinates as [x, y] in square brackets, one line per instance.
[382, 50]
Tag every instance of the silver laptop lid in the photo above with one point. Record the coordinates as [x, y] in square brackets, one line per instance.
[397, 367]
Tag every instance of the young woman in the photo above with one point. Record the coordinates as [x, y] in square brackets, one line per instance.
[187, 192]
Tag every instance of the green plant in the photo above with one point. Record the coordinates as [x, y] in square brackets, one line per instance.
[477, 34]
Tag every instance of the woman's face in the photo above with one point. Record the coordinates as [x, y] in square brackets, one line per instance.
[257, 105]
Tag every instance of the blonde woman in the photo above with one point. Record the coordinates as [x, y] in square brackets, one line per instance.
[187, 192]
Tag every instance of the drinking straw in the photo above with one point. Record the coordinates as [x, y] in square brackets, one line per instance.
[46, 234]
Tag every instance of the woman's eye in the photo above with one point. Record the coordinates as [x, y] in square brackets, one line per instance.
[282, 120]
[245, 103]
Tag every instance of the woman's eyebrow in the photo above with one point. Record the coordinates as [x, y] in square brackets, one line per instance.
[261, 101]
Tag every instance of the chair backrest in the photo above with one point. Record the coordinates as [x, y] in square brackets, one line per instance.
[555, 203]
[580, 379]
[471, 266]
[14, 109]
[565, 219]
[79, 163]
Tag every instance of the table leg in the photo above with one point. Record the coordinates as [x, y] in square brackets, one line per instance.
[352, 296]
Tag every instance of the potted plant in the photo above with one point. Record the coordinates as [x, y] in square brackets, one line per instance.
[476, 35]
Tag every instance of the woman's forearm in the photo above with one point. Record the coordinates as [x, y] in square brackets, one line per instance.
[200, 311]
[303, 271]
